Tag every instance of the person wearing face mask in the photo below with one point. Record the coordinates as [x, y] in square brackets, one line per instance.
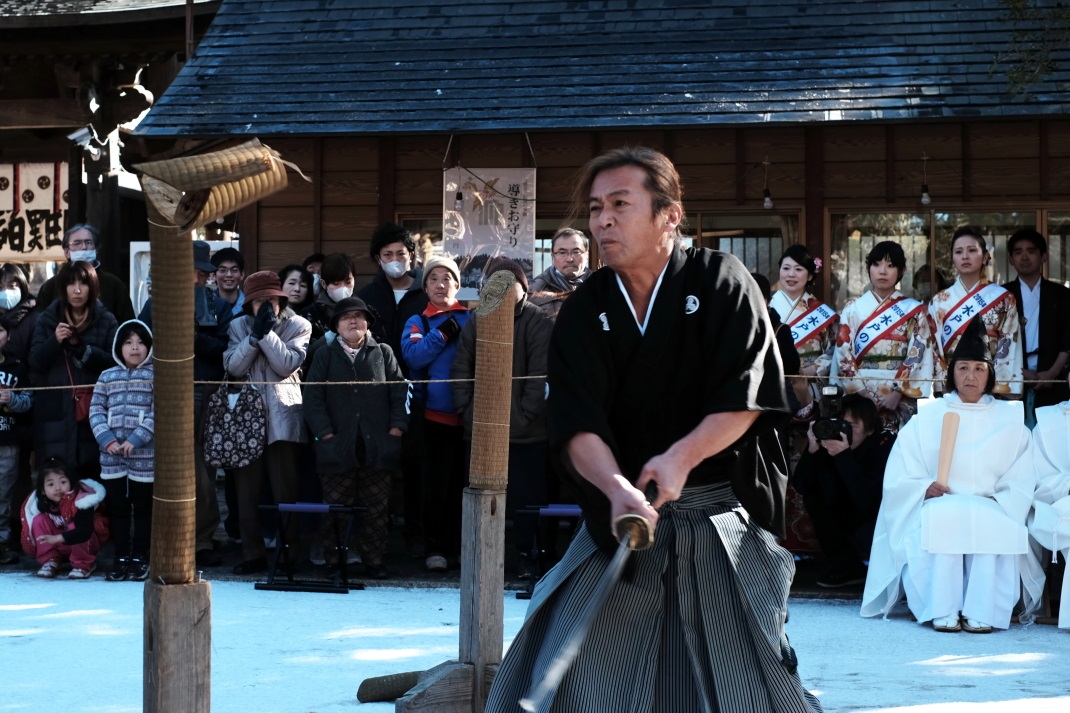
[17, 305]
[72, 345]
[80, 244]
[394, 295]
[570, 268]
[337, 277]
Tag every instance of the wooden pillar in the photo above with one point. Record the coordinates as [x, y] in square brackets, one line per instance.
[814, 226]
[462, 686]
[177, 661]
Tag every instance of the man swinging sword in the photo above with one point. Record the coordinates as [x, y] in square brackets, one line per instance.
[663, 370]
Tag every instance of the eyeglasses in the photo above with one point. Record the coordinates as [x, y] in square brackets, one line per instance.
[577, 253]
[81, 244]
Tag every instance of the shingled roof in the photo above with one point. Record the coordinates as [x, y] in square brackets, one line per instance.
[318, 67]
[51, 13]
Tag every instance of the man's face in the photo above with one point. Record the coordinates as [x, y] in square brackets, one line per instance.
[1027, 259]
[80, 239]
[228, 275]
[622, 219]
[570, 257]
[200, 277]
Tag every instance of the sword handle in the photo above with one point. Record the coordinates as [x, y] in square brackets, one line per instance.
[633, 531]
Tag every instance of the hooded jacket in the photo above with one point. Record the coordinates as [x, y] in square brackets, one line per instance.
[122, 410]
[87, 521]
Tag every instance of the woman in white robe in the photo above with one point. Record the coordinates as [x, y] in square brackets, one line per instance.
[1049, 523]
[959, 552]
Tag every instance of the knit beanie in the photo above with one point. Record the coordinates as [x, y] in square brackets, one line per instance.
[503, 263]
[441, 261]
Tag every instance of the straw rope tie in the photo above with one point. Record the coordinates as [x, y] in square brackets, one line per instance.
[167, 500]
[172, 361]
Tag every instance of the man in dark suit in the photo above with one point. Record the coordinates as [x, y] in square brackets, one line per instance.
[1044, 313]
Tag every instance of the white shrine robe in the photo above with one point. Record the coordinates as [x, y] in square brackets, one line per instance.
[1049, 523]
[992, 481]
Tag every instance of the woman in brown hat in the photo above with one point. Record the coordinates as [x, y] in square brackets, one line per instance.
[267, 346]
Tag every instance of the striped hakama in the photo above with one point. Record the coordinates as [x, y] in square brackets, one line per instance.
[695, 624]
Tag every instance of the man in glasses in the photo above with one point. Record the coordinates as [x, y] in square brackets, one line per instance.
[570, 269]
[80, 245]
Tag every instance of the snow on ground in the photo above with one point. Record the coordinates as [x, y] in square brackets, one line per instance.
[79, 644]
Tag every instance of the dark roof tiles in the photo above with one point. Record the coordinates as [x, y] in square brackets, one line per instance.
[412, 66]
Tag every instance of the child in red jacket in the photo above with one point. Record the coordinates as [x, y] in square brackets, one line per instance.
[61, 521]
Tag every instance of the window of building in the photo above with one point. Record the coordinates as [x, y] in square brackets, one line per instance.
[853, 235]
[757, 239]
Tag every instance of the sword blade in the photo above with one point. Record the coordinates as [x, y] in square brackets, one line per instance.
[561, 664]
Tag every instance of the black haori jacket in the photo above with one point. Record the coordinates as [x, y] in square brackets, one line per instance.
[708, 348]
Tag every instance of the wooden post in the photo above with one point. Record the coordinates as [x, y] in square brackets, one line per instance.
[177, 662]
[462, 686]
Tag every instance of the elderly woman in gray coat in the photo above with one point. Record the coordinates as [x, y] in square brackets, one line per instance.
[358, 427]
[267, 346]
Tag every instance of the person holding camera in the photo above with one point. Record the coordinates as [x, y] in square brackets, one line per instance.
[840, 475]
[883, 349]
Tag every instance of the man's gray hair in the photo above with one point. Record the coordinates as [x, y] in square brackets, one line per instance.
[75, 228]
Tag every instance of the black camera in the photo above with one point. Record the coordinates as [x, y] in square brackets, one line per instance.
[830, 423]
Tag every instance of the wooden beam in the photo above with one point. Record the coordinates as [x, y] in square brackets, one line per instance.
[317, 195]
[387, 179]
[889, 164]
[41, 114]
[814, 224]
[741, 166]
[964, 151]
[1044, 165]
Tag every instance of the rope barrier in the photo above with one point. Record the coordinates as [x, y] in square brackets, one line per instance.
[242, 382]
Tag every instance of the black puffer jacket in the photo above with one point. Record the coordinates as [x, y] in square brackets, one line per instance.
[56, 432]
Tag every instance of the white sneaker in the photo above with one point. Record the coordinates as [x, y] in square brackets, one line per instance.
[436, 563]
[353, 557]
[49, 569]
[315, 555]
[78, 573]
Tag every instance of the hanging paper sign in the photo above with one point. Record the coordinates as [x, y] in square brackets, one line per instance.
[487, 213]
[33, 201]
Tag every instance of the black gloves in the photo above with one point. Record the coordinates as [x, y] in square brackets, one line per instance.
[450, 329]
[264, 321]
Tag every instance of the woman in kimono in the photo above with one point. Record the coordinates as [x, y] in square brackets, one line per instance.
[959, 551]
[969, 296]
[882, 347]
[1049, 523]
[812, 323]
